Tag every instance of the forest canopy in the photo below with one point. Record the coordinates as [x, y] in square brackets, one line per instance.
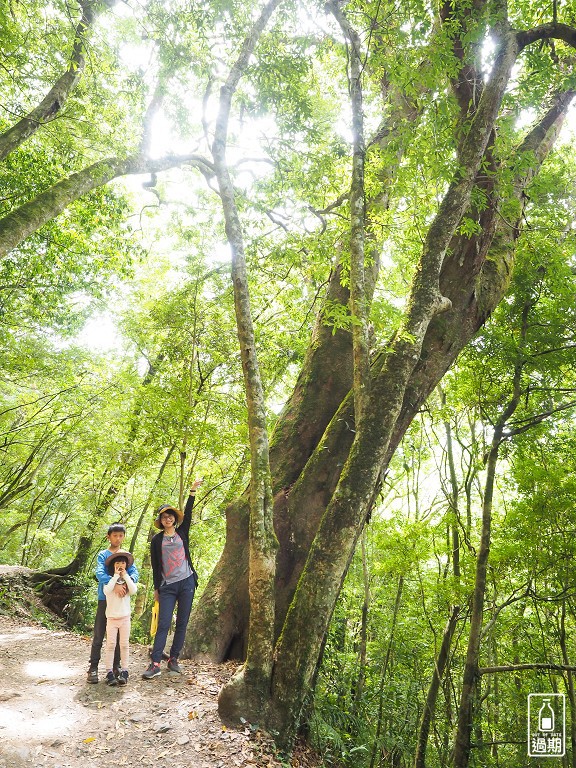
[323, 256]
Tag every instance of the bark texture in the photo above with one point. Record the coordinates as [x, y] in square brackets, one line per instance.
[359, 307]
[248, 691]
[218, 627]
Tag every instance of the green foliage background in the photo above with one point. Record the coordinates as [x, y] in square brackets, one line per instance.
[151, 254]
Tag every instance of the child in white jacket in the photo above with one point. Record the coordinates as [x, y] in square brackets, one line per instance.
[118, 614]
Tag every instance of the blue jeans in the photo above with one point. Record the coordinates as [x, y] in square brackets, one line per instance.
[181, 592]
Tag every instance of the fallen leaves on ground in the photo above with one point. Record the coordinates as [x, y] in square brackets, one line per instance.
[169, 722]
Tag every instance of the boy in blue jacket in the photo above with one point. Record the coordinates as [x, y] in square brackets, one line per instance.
[116, 534]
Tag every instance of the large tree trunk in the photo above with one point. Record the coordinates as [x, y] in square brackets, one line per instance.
[220, 619]
[402, 381]
[249, 689]
[304, 478]
[401, 377]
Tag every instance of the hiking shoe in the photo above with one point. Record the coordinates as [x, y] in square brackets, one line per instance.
[122, 677]
[152, 671]
[92, 676]
[173, 665]
[111, 678]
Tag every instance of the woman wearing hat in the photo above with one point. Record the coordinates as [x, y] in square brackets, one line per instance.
[118, 614]
[174, 580]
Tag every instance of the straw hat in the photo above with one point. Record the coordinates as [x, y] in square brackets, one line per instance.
[168, 508]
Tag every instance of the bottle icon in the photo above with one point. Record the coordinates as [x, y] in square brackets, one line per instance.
[546, 717]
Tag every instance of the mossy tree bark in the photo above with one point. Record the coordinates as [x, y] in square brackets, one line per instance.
[359, 307]
[219, 623]
[248, 692]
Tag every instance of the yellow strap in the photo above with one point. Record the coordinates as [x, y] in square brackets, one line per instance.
[154, 620]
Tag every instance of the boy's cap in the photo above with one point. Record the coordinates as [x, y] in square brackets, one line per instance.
[111, 559]
[116, 528]
[168, 508]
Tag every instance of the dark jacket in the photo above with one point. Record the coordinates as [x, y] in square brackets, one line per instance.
[183, 531]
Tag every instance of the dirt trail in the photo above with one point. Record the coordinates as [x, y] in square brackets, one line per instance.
[49, 715]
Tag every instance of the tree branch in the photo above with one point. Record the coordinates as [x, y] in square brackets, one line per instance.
[28, 218]
[359, 306]
[468, 84]
[546, 32]
[51, 105]
[239, 696]
[528, 423]
[521, 667]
